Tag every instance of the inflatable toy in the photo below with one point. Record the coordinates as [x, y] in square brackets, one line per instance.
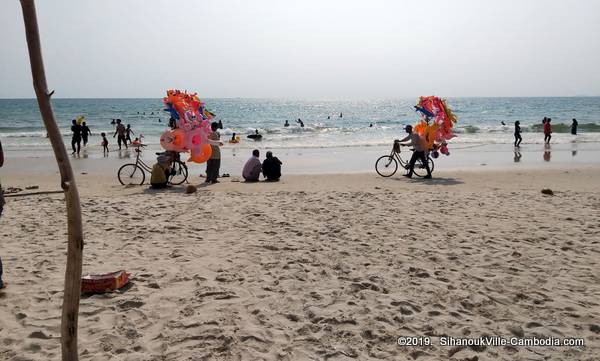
[436, 125]
[201, 155]
[80, 119]
[192, 126]
[235, 140]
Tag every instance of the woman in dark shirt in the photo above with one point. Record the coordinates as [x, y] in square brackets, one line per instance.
[518, 138]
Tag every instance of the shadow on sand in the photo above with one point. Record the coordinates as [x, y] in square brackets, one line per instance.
[433, 181]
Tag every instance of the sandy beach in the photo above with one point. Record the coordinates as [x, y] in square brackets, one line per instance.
[314, 267]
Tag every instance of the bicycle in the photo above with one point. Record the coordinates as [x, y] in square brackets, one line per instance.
[135, 173]
[387, 165]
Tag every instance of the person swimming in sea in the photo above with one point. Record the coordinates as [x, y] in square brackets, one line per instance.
[299, 121]
[287, 124]
[255, 136]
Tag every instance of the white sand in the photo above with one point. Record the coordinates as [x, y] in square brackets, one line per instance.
[314, 267]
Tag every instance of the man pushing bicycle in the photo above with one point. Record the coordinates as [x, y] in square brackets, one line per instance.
[418, 143]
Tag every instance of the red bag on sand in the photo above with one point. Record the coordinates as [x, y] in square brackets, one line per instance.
[104, 283]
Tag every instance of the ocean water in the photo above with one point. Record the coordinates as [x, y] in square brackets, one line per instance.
[479, 120]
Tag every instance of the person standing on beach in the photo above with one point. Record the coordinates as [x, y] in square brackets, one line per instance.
[76, 138]
[128, 133]
[518, 138]
[85, 131]
[120, 130]
[104, 144]
[574, 127]
[547, 131]
[252, 168]
[1, 190]
[419, 153]
[214, 163]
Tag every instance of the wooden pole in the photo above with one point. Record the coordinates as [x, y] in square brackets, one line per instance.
[70, 307]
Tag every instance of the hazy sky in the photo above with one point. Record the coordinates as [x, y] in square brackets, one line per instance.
[307, 49]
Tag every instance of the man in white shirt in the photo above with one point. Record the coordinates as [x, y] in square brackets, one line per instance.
[419, 153]
[252, 167]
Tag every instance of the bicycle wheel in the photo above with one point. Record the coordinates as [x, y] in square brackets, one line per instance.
[420, 170]
[131, 174]
[179, 173]
[386, 166]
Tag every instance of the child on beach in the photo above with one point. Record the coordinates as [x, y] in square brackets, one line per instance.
[128, 133]
[518, 138]
[547, 131]
[104, 144]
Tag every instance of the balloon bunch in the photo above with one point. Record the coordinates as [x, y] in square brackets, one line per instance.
[191, 128]
[436, 123]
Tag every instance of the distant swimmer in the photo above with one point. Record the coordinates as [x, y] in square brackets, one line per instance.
[341, 116]
[113, 122]
[255, 136]
[502, 122]
[329, 117]
[299, 121]
[371, 125]
[220, 124]
[287, 124]
[234, 138]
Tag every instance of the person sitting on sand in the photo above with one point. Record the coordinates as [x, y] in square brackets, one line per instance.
[271, 168]
[252, 167]
[160, 172]
[121, 131]
[419, 152]
[574, 127]
[518, 138]
[85, 131]
[104, 144]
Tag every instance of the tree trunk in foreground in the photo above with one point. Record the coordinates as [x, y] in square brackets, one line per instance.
[70, 307]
